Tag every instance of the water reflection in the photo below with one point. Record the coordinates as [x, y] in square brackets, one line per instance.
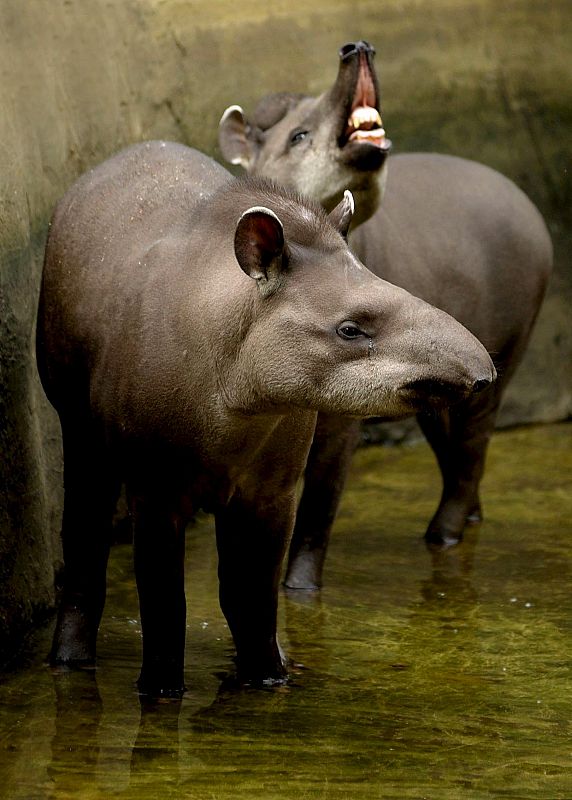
[451, 572]
[416, 672]
[156, 748]
[78, 713]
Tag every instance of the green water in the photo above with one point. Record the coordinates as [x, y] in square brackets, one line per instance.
[425, 675]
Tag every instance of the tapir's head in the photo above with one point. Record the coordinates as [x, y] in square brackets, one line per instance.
[319, 146]
[322, 332]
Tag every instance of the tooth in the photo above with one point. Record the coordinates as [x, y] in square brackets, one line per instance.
[365, 115]
[376, 133]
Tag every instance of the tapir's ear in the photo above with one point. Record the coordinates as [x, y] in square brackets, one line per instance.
[341, 215]
[259, 246]
[233, 139]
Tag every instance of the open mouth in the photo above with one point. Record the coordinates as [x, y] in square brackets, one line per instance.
[366, 127]
[364, 124]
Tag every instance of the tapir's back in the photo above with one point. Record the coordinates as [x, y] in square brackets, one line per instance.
[465, 239]
[113, 223]
[134, 198]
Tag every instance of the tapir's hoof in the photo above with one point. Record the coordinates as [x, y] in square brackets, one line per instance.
[158, 690]
[259, 682]
[73, 645]
[304, 572]
[261, 668]
[439, 537]
[237, 682]
[445, 530]
[442, 535]
[475, 516]
[158, 680]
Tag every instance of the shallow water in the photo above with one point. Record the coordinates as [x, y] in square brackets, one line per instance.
[425, 675]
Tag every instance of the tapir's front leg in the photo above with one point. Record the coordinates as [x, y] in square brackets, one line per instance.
[459, 437]
[252, 535]
[159, 542]
[335, 440]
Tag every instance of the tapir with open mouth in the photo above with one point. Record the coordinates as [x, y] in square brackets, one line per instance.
[454, 232]
[191, 328]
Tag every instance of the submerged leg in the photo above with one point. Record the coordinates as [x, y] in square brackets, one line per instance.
[90, 493]
[334, 443]
[159, 553]
[459, 437]
[251, 540]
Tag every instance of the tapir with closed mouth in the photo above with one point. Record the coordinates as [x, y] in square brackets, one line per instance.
[191, 328]
[454, 232]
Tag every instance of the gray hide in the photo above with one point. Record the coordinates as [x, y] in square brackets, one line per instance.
[191, 328]
[451, 231]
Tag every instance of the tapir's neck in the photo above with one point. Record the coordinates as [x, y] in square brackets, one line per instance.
[368, 196]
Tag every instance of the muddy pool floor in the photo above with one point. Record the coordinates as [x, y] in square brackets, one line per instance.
[438, 675]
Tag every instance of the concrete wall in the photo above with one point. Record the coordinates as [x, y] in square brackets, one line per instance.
[81, 78]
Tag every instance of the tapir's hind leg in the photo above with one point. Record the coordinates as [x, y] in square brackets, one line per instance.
[459, 437]
[333, 446]
[90, 495]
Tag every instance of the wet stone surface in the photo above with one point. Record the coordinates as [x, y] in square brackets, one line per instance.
[425, 674]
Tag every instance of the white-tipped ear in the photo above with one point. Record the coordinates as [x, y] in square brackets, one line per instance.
[233, 138]
[341, 216]
[349, 199]
[259, 246]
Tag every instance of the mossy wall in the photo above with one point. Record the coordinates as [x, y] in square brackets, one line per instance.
[79, 79]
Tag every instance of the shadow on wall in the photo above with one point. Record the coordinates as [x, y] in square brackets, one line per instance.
[472, 79]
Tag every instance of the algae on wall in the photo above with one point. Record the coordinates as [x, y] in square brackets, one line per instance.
[79, 80]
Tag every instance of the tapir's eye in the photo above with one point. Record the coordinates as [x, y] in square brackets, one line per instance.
[349, 330]
[298, 136]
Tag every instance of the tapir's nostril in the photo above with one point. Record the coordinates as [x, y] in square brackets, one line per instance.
[354, 48]
[347, 50]
[481, 385]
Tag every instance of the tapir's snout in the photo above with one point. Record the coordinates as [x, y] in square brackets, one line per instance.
[448, 364]
[351, 49]
[442, 392]
[355, 100]
[483, 374]
[483, 383]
